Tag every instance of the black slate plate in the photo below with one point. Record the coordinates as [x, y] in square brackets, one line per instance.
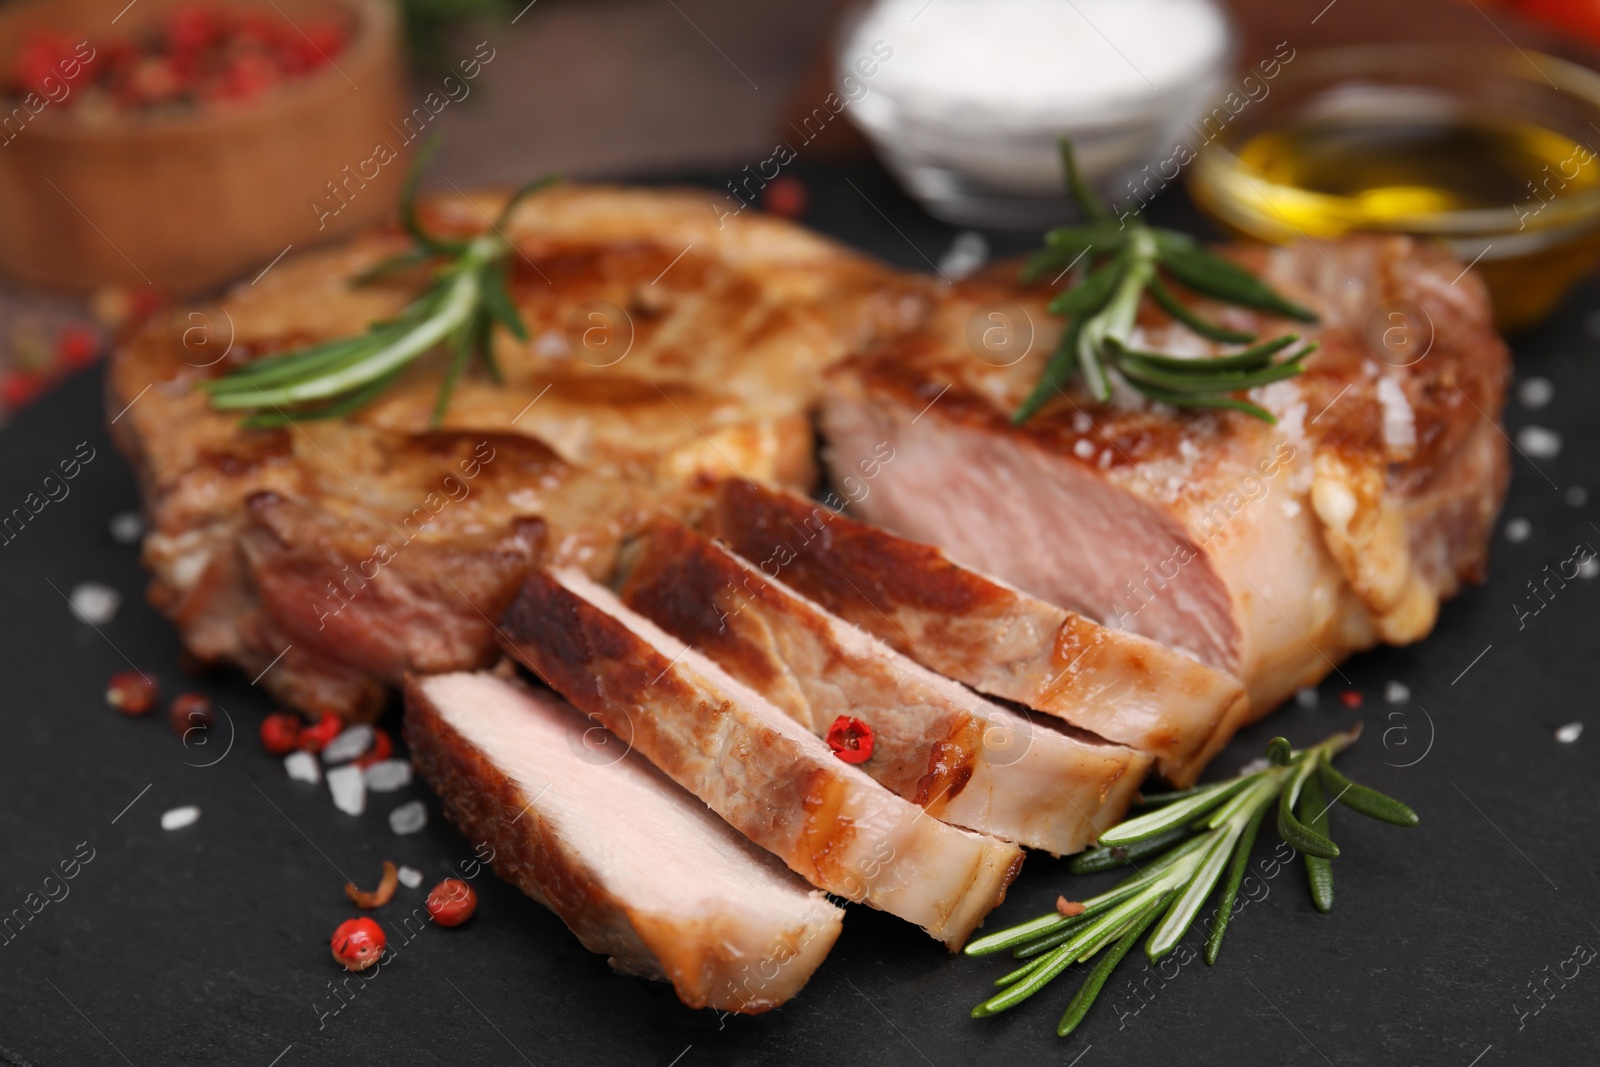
[1449, 943]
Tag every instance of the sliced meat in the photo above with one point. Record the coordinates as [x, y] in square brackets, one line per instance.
[1271, 551]
[772, 779]
[981, 631]
[960, 758]
[640, 870]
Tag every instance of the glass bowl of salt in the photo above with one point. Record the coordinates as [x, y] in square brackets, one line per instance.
[966, 101]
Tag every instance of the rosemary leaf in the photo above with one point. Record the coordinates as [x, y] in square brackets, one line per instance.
[1073, 240]
[1168, 302]
[1319, 871]
[497, 301]
[1082, 196]
[1176, 814]
[1153, 800]
[408, 204]
[1070, 929]
[1107, 858]
[1230, 888]
[1026, 969]
[1261, 793]
[346, 404]
[1056, 373]
[1290, 828]
[1084, 998]
[1252, 358]
[1001, 940]
[1216, 277]
[1367, 801]
[1048, 967]
[1202, 400]
[1135, 368]
[407, 260]
[460, 356]
[1114, 922]
[527, 189]
[1045, 261]
[1038, 976]
[1181, 915]
[1090, 295]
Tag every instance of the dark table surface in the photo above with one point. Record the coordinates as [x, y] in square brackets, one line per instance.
[1459, 942]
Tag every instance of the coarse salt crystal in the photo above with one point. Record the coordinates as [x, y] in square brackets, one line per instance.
[351, 742]
[967, 253]
[1399, 423]
[408, 818]
[303, 767]
[1396, 693]
[1588, 568]
[1569, 733]
[1535, 393]
[1518, 529]
[94, 603]
[551, 343]
[178, 818]
[127, 527]
[386, 776]
[410, 877]
[1306, 697]
[1538, 442]
[349, 789]
[1083, 448]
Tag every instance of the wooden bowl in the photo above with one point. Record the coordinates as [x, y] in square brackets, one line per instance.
[185, 202]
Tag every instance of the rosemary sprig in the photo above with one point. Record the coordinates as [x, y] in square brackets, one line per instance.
[1211, 830]
[466, 298]
[1122, 262]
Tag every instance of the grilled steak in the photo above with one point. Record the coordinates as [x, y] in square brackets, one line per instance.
[665, 348]
[772, 779]
[640, 870]
[1269, 551]
[958, 757]
[980, 631]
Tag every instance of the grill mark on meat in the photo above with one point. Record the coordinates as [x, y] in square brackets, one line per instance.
[245, 455]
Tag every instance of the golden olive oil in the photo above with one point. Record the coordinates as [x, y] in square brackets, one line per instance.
[1332, 176]
[1517, 197]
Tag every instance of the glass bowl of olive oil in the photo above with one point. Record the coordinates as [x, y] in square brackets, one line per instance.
[1492, 151]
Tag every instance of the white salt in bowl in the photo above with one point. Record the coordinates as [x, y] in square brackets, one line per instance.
[966, 100]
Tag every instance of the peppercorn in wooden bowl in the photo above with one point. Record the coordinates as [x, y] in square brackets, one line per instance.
[186, 143]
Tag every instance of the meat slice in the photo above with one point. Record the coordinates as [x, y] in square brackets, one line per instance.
[1271, 551]
[767, 775]
[960, 758]
[981, 631]
[640, 870]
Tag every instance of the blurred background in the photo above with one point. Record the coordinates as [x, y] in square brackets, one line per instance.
[149, 173]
